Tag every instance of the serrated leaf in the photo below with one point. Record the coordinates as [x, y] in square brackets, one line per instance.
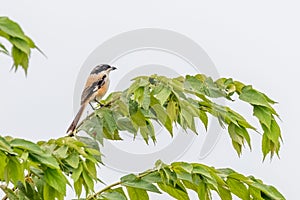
[238, 188]
[265, 145]
[45, 159]
[94, 128]
[91, 168]
[137, 194]
[61, 152]
[73, 160]
[254, 97]
[152, 177]
[88, 180]
[270, 191]
[224, 193]
[5, 146]
[3, 163]
[28, 145]
[49, 192]
[3, 49]
[12, 28]
[125, 124]
[174, 191]
[161, 115]
[108, 119]
[234, 135]
[77, 172]
[172, 110]
[114, 195]
[163, 95]
[78, 186]
[132, 181]
[263, 114]
[56, 179]
[203, 117]
[14, 170]
[21, 44]
[20, 59]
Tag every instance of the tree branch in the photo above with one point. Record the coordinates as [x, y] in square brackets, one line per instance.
[119, 183]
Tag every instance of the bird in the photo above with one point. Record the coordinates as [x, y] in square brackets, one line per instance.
[95, 88]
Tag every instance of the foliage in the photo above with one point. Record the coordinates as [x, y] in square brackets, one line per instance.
[43, 170]
[179, 177]
[181, 100]
[38, 171]
[21, 43]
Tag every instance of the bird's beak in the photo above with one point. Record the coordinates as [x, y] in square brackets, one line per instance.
[113, 68]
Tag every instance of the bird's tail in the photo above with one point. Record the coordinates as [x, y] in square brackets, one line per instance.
[74, 123]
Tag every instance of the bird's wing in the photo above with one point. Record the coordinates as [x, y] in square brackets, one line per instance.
[91, 88]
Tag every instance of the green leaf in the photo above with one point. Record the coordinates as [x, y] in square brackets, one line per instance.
[91, 168]
[3, 163]
[94, 128]
[49, 192]
[73, 160]
[45, 159]
[11, 28]
[263, 114]
[137, 194]
[265, 145]
[27, 145]
[20, 58]
[125, 124]
[152, 177]
[78, 185]
[56, 179]
[161, 115]
[270, 191]
[238, 188]
[203, 117]
[224, 193]
[203, 192]
[172, 110]
[77, 172]
[88, 180]
[14, 170]
[114, 195]
[254, 97]
[3, 49]
[163, 95]
[5, 146]
[21, 44]
[132, 181]
[61, 152]
[109, 122]
[175, 192]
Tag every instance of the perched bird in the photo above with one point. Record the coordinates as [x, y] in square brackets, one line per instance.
[95, 88]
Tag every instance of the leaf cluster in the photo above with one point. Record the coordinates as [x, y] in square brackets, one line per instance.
[180, 177]
[21, 43]
[181, 101]
[40, 171]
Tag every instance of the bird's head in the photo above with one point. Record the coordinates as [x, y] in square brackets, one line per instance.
[104, 68]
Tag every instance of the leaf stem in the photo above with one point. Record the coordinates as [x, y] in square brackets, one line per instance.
[119, 183]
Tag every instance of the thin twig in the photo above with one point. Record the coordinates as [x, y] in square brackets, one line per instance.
[119, 183]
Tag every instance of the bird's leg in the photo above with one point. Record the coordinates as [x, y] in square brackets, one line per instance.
[91, 105]
[100, 104]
